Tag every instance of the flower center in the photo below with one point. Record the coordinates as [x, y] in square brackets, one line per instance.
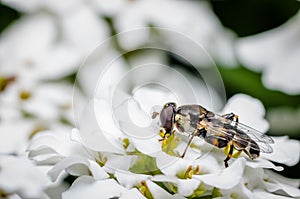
[25, 95]
[145, 190]
[101, 160]
[169, 143]
[189, 172]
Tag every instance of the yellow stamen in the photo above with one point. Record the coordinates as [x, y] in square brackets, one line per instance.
[25, 95]
[126, 143]
[145, 190]
[189, 172]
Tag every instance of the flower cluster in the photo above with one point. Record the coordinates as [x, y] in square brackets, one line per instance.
[135, 167]
[96, 139]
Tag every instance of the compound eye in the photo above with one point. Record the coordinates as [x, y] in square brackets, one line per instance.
[166, 117]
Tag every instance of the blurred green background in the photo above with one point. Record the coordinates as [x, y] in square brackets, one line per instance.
[245, 18]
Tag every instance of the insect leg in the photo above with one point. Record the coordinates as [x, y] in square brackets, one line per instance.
[196, 132]
[232, 117]
[229, 154]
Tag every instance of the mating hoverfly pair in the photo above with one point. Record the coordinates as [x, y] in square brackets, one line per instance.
[220, 131]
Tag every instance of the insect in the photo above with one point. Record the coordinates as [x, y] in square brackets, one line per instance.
[220, 131]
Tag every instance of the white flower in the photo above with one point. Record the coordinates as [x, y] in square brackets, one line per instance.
[33, 52]
[218, 177]
[36, 5]
[114, 151]
[49, 101]
[25, 113]
[178, 172]
[178, 16]
[43, 46]
[31, 181]
[86, 187]
[188, 177]
[274, 53]
[282, 154]
[49, 147]
[41, 52]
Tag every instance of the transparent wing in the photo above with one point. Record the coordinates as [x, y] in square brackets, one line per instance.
[240, 133]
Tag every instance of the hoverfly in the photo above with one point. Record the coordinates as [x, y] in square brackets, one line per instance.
[220, 131]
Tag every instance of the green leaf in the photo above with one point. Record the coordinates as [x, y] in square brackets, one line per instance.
[242, 80]
[145, 165]
[216, 193]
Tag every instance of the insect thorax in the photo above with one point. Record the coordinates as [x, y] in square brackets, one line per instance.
[188, 116]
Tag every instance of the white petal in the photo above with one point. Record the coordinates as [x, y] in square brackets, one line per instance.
[44, 143]
[47, 100]
[239, 191]
[26, 34]
[83, 36]
[97, 171]
[158, 192]
[283, 154]
[36, 5]
[14, 135]
[262, 163]
[73, 161]
[187, 187]
[99, 82]
[277, 187]
[119, 162]
[81, 166]
[29, 6]
[209, 164]
[171, 165]
[110, 8]
[128, 114]
[270, 50]
[256, 178]
[132, 193]
[263, 194]
[253, 178]
[250, 111]
[227, 178]
[105, 117]
[149, 146]
[282, 179]
[30, 181]
[128, 179]
[57, 62]
[46, 159]
[274, 75]
[48, 147]
[86, 187]
[56, 190]
[91, 133]
[208, 31]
